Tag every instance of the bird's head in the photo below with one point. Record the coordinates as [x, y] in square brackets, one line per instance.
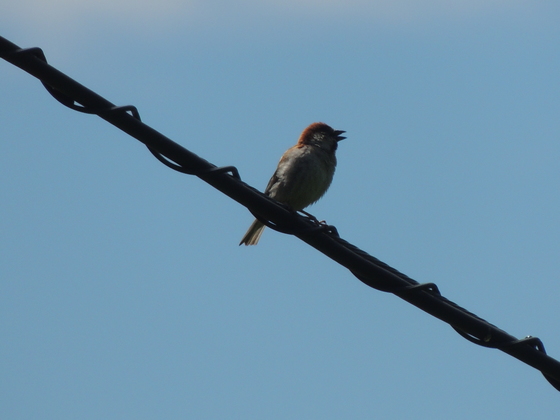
[321, 135]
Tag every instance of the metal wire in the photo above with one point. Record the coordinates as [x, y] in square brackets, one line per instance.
[365, 267]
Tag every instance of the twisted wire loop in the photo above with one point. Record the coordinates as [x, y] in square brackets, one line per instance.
[312, 224]
[368, 269]
[232, 170]
[536, 344]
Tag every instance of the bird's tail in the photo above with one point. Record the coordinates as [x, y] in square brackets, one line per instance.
[253, 234]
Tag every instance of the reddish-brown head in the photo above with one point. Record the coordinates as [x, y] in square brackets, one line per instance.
[321, 135]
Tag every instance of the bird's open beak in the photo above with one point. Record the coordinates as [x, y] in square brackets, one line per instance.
[338, 134]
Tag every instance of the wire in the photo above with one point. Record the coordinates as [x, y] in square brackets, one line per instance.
[365, 267]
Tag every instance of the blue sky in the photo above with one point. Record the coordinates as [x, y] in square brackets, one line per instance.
[124, 293]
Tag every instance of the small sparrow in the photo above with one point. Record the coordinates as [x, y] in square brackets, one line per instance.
[304, 173]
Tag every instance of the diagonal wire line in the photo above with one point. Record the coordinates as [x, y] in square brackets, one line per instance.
[325, 239]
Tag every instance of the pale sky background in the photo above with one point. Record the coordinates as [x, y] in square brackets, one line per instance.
[123, 292]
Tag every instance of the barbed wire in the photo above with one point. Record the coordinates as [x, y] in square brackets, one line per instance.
[324, 238]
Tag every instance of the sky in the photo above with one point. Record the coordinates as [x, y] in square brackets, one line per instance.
[124, 293]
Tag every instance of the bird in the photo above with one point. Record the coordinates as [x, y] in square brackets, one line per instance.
[304, 173]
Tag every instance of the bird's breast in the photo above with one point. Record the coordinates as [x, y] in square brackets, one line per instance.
[303, 175]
